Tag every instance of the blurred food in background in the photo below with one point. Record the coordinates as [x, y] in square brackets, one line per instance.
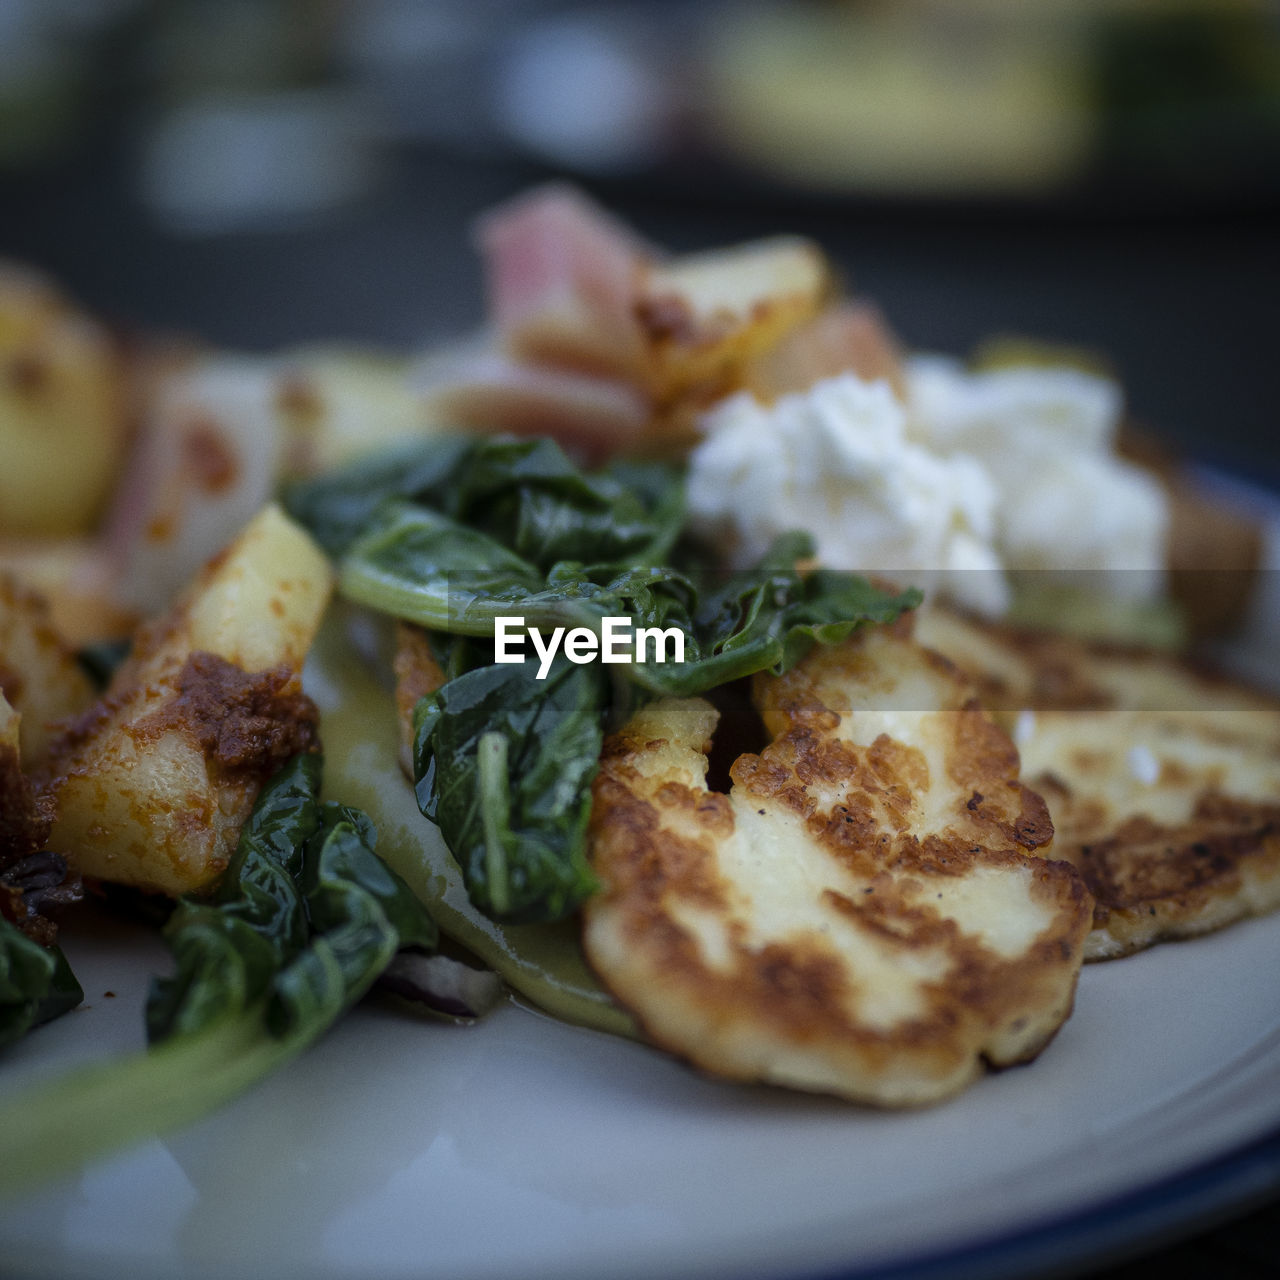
[989, 97]
[256, 110]
[1008, 483]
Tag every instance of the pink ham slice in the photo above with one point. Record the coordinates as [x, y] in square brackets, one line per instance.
[561, 276]
[206, 458]
[592, 418]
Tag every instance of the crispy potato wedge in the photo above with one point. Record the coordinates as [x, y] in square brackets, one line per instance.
[63, 410]
[38, 672]
[153, 783]
[859, 915]
[34, 882]
[78, 577]
[706, 315]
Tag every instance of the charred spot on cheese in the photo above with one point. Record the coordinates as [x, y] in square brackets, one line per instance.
[1163, 779]
[859, 915]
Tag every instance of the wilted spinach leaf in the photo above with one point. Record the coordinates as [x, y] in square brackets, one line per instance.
[505, 763]
[426, 568]
[36, 983]
[337, 506]
[524, 494]
[305, 919]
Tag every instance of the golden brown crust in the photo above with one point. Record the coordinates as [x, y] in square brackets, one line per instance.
[1158, 881]
[703, 318]
[417, 674]
[39, 674]
[1163, 779]
[24, 821]
[1014, 668]
[856, 916]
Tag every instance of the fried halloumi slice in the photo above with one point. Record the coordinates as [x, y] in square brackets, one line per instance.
[1016, 668]
[1163, 782]
[1172, 817]
[859, 915]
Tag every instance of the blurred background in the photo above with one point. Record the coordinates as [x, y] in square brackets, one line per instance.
[264, 172]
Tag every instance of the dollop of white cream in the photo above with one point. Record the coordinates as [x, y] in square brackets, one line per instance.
[1046, 436]
[836, 461]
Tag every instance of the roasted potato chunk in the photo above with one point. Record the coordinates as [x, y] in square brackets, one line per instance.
[35, 883]
[706, 315]
[78, 578]
[38, 672]
[63, 410]
[153, 783]
[336, 404]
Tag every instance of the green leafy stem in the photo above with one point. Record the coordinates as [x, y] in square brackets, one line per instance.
[306, 919]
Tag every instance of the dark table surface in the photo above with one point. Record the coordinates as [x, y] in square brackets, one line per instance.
[1185, 304]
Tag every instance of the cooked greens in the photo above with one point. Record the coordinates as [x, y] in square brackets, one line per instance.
[460, 536]
[522, 494]
[307, 919]
[36, 983]
[504, 765]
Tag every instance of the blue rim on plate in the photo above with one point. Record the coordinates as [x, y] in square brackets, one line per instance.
[1121, 1228]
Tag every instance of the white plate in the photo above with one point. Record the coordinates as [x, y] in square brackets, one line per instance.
[524, 1147]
